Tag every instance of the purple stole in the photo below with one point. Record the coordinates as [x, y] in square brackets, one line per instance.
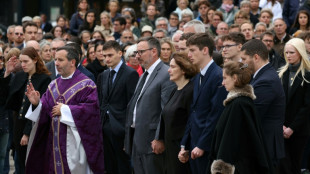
[61, 98]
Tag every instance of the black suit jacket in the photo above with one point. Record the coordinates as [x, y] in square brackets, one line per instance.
[116, 99]
[47, 28]
[270, 104]
[297, 113]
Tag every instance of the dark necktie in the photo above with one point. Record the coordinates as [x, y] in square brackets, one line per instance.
[137, 92]
[111, 75]
[201, 79]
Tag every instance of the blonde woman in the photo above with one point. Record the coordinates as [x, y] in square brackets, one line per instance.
[105, 26]
[295, 78]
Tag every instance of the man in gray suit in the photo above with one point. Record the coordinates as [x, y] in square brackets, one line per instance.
[55, 44]
[144, 108]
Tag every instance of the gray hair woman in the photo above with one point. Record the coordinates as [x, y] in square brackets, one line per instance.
[45, 51]
[130, 58]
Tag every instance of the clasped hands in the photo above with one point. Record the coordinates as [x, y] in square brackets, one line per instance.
[184, 154]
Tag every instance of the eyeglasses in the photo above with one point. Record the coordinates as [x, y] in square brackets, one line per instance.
[19, 34]
[140, 52]
[228, 46]
[266, 40]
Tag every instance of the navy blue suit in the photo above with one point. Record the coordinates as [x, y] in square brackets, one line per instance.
[270, 104]
[206, 108]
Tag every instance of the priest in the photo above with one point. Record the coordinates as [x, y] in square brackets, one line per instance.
[67, 136]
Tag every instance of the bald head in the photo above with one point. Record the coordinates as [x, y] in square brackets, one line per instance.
[34, 44]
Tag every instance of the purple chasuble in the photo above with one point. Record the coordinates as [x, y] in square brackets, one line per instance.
[48, 151]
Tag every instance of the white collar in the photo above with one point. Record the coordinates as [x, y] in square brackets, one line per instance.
[151, 68]
[259, 70]
[69, 77]
[204, 70]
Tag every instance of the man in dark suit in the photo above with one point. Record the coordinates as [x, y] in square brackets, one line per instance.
[115, 89]
[270, 97]
[207, 104]
[143, 112]
[46, 26]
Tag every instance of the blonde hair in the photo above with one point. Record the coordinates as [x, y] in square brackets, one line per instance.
[299, 45]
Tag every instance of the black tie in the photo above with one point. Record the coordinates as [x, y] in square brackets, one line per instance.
[137, 92]
[112, 72]
[201, 79]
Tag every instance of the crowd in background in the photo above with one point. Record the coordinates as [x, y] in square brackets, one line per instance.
[258, 50]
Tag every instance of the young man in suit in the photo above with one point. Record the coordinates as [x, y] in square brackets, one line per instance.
[115, 89]
[144, 109]
[207, 104]
[270, 97]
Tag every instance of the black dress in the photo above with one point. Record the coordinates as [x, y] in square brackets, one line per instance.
[238, 138]
[173, 121]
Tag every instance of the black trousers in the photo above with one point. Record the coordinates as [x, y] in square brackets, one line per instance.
[294, 148]
[115, 159]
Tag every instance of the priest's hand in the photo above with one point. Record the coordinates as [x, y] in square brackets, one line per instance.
[196, 153]
[287, 133]
[33, 95]
[56, 110]
[158, 146]
[183, 155]
[24, 140]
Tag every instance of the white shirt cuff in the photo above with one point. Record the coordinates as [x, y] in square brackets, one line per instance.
[34, 115]
[66, 116]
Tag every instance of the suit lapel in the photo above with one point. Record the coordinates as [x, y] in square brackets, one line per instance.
[203, 83]
[118, 76]
[53, 70]
[151, 78]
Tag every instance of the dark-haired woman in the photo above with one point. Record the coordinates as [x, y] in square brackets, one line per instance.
[35, 72]
[77, 18]
[89, 22]
[301, 24]
[98, 65]
[238, 145]
[176, 112]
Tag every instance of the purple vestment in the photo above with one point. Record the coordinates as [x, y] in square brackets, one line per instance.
[80, 94]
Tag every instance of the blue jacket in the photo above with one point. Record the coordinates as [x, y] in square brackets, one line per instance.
[270, 104]
[206, 108]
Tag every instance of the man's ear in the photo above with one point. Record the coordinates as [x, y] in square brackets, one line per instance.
[120, 53]
[256, 57]
[205, 50]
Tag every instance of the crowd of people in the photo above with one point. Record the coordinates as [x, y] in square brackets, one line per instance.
[209, 88]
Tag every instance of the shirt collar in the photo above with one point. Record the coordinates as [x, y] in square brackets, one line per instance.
[151, 69]
[204, 70]
[69, 77]
[259, 69]
[118, 66]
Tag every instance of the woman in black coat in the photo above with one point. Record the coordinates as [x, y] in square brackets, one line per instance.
[35, 72]
[238, 145]
[98, 65]
[175, 113]
[295, 78]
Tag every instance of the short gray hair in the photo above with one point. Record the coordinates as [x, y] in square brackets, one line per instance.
[11, 26]
[152, 43]
[187, 12]
[198, 26]
[180, 32]
[72, 54]
[260, 23]
[43, 43]
[130, 50]
[161, 19]
[160, 30]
